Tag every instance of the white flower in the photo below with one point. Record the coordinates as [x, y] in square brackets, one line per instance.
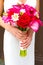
[15, 16]
[22, 11]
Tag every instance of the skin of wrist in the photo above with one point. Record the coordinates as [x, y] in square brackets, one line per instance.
[30, 31]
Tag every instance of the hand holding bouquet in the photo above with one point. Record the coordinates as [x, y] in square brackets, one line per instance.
[23, 17]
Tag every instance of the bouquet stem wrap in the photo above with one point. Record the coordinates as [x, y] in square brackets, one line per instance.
[23, 52]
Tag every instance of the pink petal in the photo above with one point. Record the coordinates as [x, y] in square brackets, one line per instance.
[6, 19]
[35, 26]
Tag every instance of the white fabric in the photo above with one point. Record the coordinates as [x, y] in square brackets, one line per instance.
[11, 44]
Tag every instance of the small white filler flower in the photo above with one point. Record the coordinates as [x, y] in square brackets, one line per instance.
[15, 17]
[22, 11]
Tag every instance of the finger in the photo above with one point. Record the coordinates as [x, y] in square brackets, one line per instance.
[28, 43]
[19, 37]
[25, 45]
[22, 32]
[25, 40]
[19, 34]
[19, 31]
[28, 37]
[23, 37]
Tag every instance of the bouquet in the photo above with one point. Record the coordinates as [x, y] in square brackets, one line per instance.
[23, 17]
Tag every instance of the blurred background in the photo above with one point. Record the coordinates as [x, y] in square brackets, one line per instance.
[38, 42]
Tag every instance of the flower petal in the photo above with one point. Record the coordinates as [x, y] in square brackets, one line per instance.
[35, 26]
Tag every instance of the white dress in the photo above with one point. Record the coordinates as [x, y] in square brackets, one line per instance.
[11, 44]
